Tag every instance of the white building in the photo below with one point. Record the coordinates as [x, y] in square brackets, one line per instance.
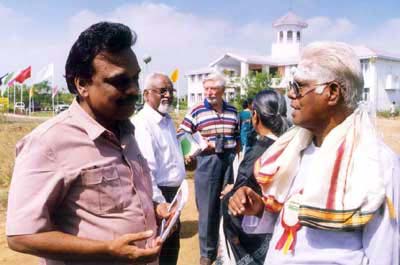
[381, 69]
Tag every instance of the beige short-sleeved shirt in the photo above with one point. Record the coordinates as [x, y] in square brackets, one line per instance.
[74, 176]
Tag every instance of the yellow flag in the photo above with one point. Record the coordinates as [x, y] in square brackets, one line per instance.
[31, 92]
[175, 75]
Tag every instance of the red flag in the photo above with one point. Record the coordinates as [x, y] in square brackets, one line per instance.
[25, 74]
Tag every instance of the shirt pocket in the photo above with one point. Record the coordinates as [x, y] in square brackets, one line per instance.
[100, 190]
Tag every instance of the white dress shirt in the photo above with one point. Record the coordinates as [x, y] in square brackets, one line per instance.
[156, 137]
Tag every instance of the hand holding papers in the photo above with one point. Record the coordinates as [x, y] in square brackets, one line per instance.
[192, 144]
[175, 208]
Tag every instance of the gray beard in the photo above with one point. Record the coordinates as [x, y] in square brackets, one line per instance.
[212, 101]
[164, 108]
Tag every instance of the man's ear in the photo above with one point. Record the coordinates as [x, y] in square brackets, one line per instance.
[81, 86]
[335, 94]
[145, 95]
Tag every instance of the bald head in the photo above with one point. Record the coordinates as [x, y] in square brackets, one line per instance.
[158, 92]
[154, 78]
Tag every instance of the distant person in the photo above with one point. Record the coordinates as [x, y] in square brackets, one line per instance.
[393, 109]
[245, 124]
[332, 182]
[155, 134]
[269, 121]
[81, 190]
[217, 122]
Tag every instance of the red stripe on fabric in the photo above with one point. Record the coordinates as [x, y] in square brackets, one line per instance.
[187, 124]
[273, 158]
[214, 123]
[330, 204]
[198, 107]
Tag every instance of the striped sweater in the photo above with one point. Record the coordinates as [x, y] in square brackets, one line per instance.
[204, 119]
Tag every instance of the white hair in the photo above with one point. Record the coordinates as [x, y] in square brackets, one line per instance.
[149, 81]
[333, 61]
[216, 77]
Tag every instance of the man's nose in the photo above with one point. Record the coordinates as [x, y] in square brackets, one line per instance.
[133, 89]
[291, 94]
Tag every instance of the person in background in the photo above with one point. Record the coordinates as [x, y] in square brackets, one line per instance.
[269, 122]
[217, 122]
[155, 134]
[393, 109]
[245, 124]
[331, 180]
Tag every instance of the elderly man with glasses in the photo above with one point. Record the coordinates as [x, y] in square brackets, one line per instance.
[330, 185]
[155, 134]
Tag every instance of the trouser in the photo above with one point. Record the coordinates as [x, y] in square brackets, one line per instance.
[170, 249]
[212, 172]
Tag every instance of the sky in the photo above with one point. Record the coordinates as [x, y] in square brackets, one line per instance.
[186, 34]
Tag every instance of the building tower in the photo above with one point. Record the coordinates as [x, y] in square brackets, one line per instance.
[288, 36]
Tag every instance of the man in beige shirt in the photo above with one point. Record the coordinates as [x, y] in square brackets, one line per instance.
[81, 190]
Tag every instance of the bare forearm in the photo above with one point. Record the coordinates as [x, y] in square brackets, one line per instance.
[58, 245]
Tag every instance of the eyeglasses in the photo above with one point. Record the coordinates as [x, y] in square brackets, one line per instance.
[297, 88]
[164, 90]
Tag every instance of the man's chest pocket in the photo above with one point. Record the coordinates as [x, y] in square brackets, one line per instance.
[99, 190]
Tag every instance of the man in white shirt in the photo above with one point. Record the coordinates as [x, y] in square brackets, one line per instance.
[155, 134]
[330, 183]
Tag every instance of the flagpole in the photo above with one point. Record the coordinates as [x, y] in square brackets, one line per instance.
[29, 104]
[52, 90]
[177, 95]
[21, 93]
[8, 96]
[14, 96]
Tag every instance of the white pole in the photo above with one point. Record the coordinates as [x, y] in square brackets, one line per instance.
[21, 92]
[177, 96]
[144, 78]
[52, 91]
[14, 96]
[29, 104]
[8, 96]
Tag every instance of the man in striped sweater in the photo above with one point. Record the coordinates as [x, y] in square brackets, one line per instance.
[217, 122]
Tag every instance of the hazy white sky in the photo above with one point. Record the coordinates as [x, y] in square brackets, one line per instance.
[186, 34]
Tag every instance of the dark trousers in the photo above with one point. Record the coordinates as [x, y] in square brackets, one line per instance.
[170, 250]
[212, 172]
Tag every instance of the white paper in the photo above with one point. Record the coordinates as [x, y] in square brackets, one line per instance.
[176, 206]
[200, 140]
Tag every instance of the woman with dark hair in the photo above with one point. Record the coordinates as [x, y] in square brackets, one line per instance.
[269, 122]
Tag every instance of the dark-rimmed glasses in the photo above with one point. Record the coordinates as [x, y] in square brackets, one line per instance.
[164, 90]
[297, 88]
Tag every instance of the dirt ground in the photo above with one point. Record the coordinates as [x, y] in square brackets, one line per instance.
[189, 254]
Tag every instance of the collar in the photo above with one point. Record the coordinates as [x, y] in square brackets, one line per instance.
[91, 126]
[154, 115]
[208, 105]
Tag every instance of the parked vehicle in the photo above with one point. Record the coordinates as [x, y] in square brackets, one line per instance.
[36, 107]
[19, 107]
[61, 107]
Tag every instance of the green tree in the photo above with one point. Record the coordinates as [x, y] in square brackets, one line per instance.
[253, 83]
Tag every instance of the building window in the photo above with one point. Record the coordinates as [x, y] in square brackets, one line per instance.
[298, 36]
[290, 35]
[199, 97]
[192, 97]
[364, 66]
[280, 36]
